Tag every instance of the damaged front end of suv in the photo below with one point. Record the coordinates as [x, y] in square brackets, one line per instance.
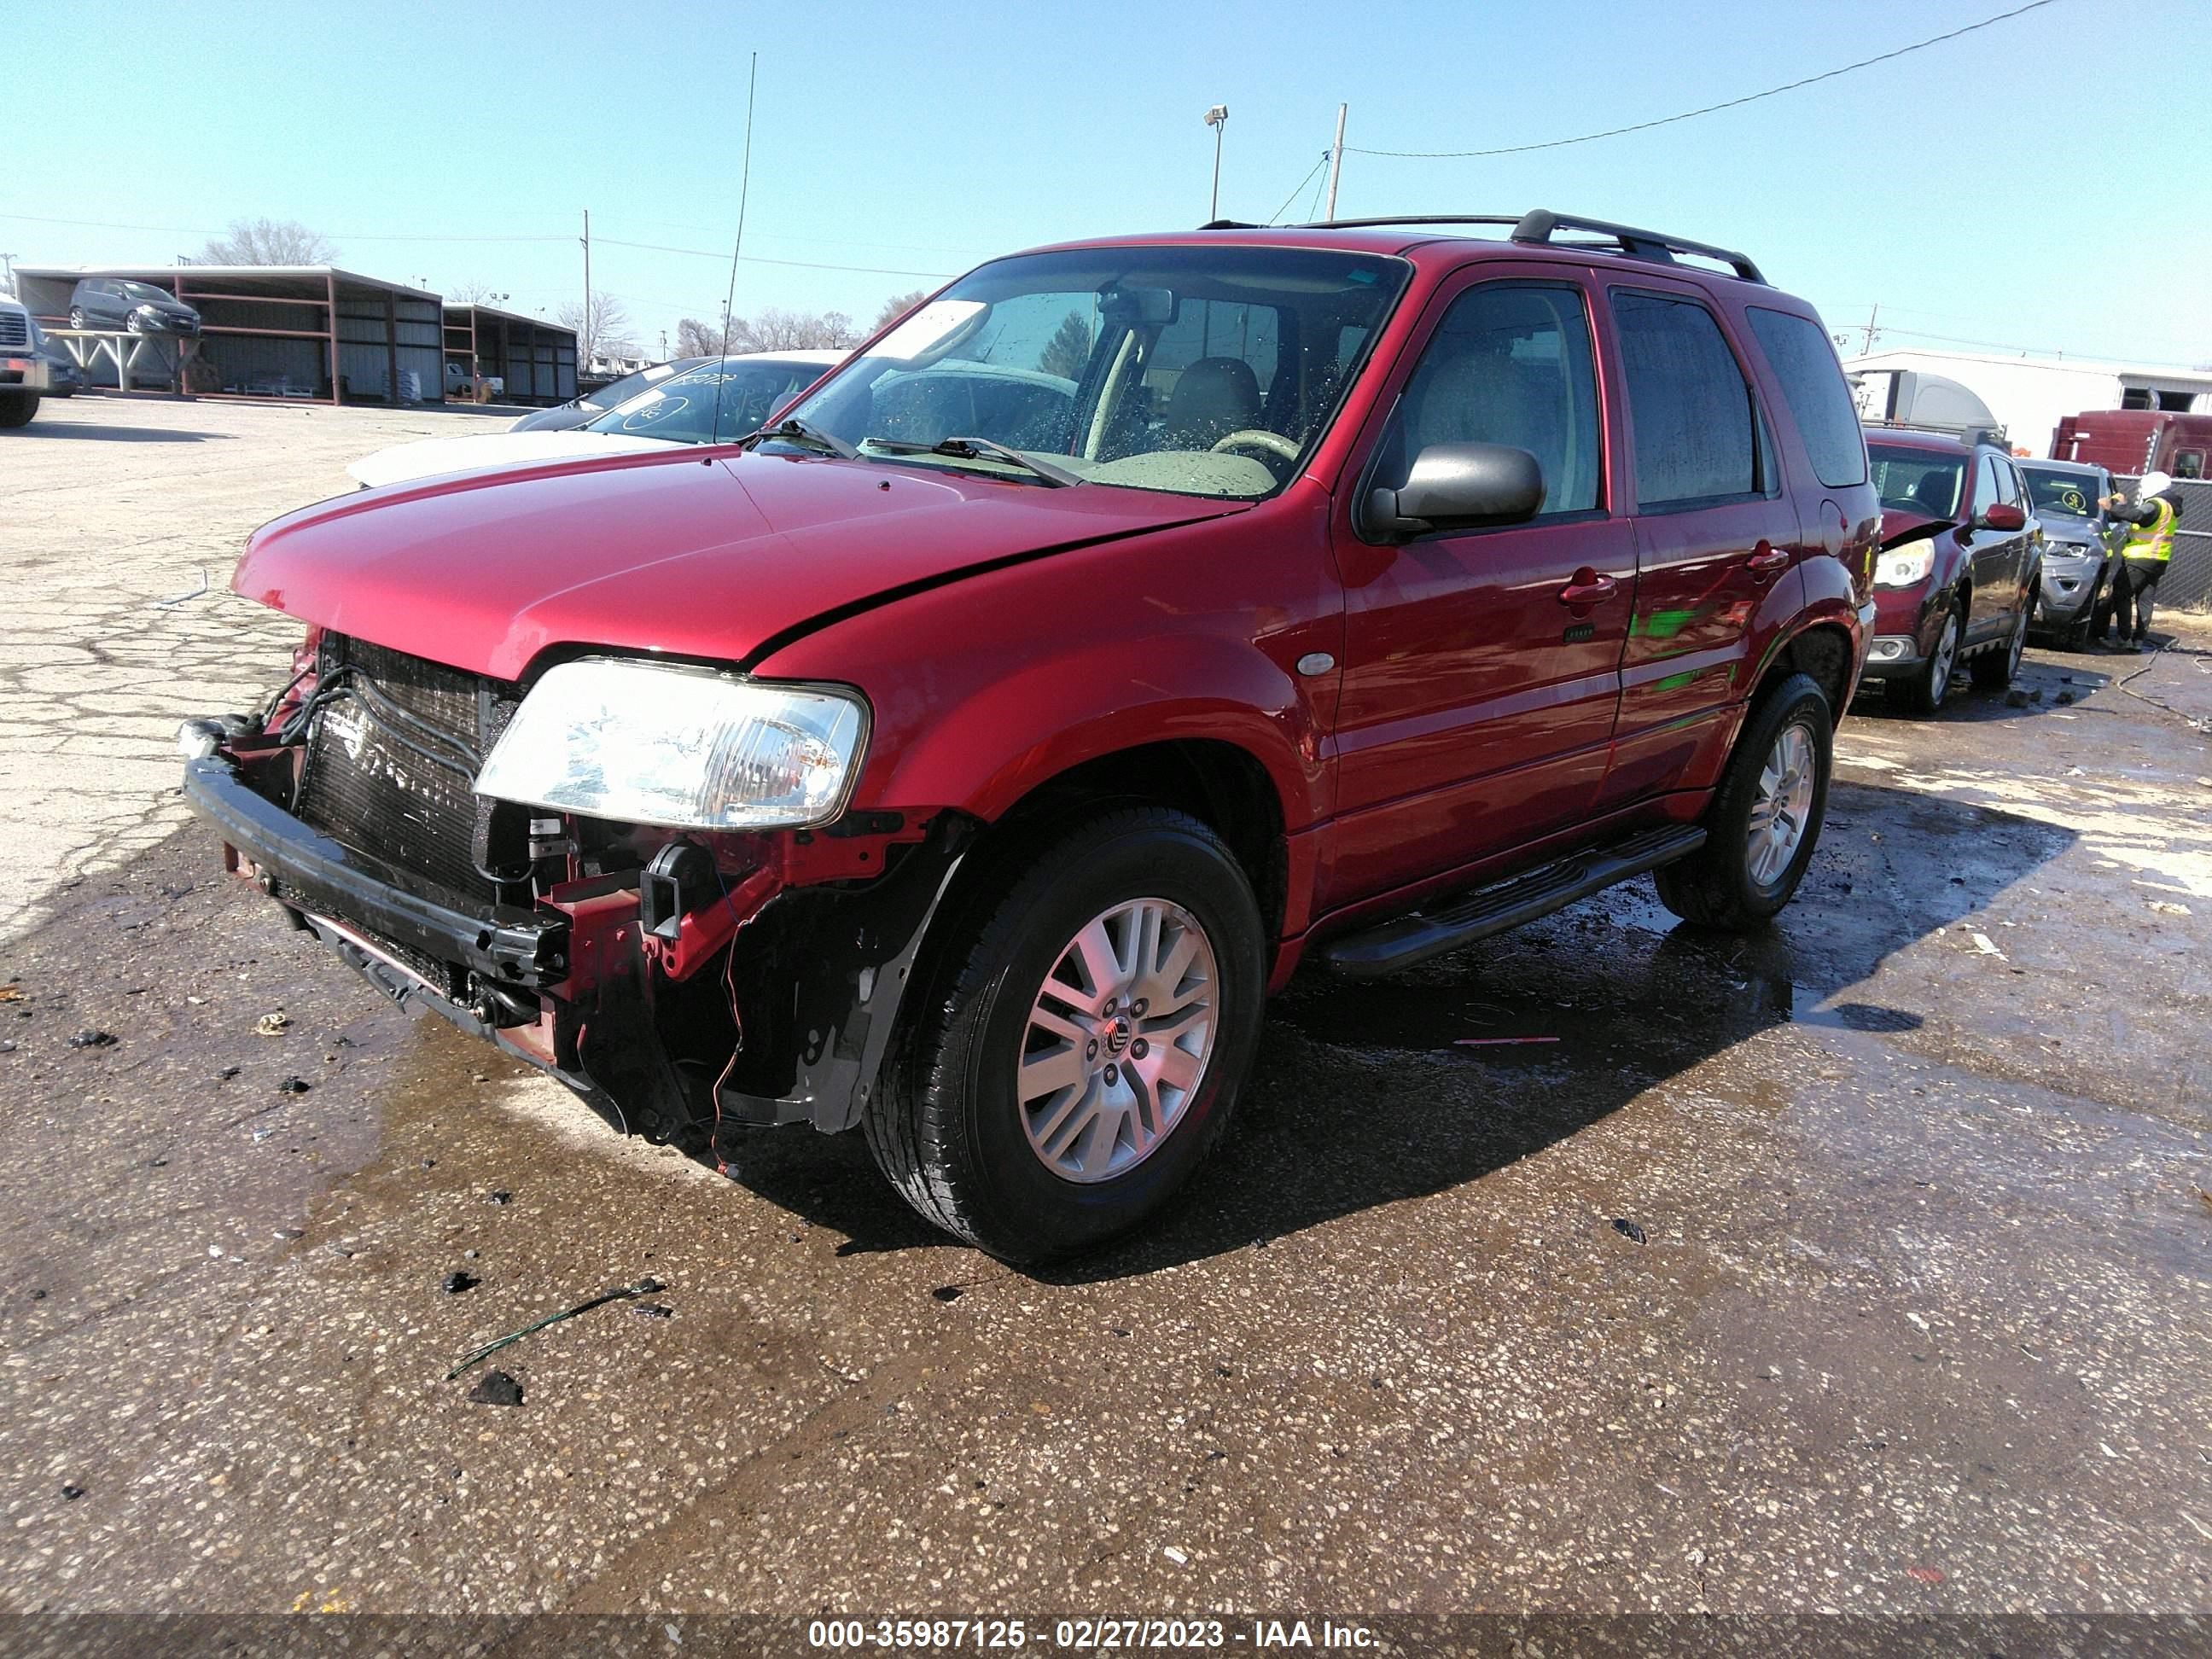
[636, 874]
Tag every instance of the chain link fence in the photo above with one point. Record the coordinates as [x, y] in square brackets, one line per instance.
[2188, 582]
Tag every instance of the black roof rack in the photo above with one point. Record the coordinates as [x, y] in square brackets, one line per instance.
[1536, 226]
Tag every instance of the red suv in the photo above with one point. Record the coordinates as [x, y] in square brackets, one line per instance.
[1960, 567]
[965, 756]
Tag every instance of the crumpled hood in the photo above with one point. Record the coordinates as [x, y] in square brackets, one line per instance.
[695, 554]
[1900, 523]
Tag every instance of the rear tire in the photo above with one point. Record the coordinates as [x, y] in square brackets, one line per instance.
[951, 1128]
[1925, 694]
[1993, 671]
[17, 410]
[1750, 864]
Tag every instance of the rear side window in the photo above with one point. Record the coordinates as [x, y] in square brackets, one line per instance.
[1812, 381]
[1509, 364]
[1688, 402]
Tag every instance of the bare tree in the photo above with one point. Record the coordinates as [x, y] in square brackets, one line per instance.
[472, 292]
[602, 329]
[897, 306]
[696, 340]
[791, 330]
[269, 242]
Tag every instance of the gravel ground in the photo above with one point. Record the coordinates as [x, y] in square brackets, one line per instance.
[1861, 1267]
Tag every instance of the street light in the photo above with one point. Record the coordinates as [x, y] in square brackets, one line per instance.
[1218, 118]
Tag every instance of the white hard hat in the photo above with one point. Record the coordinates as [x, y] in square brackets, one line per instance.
[2152, 483]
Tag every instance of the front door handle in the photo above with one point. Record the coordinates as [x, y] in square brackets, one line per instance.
[1767, 559]
[1588, 588]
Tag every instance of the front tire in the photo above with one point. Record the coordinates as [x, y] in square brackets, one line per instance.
[17, 410]
[1765, 817]
[1926, 692]
[1993, 671]
[1041, 1101]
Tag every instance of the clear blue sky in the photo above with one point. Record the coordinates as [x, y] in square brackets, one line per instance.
[1970, 188]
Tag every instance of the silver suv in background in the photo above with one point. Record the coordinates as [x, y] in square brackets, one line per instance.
[25, 373]
[2081, 545]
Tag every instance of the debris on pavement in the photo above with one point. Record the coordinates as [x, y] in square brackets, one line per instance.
[11, 992]
[294, 1085]
[272, 1025]
[1497, 1042]
[1180, 1557]
[1982, 943]
[1926, 1574]
[496, 1389]
[498, 1196]
[91, 1039]
[226, 1074]
[2167, 907]
[652, 1310]
[1628, 1230]
[71, 1491]
[454, 1283]
[647, 1287]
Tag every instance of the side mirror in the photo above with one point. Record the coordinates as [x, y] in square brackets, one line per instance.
[2003, 515]
[1461, 487]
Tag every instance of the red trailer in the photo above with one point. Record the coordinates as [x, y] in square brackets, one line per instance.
[2133, 441]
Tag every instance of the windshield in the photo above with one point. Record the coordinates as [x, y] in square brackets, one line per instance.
[1920, 481]
[145, 294]
[2072, 495]
[682, 408]
[622, 391]
[1199, 371]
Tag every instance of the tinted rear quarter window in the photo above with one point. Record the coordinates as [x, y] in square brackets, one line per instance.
[1688, 405]
[1812, 381]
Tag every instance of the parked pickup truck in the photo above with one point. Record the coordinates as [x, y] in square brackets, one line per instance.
[25, 373]
[473, 388]
[965, 756]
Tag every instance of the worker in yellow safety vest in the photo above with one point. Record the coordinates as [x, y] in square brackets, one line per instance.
[2149, 548]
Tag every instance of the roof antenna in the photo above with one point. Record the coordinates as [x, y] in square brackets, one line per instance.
[745, 186]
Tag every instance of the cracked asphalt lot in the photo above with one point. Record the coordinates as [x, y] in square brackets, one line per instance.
[1862, 1265]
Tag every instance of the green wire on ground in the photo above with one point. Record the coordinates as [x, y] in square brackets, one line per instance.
[619, 1293]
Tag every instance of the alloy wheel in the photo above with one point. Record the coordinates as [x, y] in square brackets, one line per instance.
[1118, 1039]
[1946, 658]
[1781, 807]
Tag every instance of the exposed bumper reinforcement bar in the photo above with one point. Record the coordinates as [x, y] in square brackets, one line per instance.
[319, 874]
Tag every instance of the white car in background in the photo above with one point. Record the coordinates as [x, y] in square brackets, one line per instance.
[721, 400]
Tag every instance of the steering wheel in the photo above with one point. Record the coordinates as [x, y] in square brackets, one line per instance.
[1274, 443]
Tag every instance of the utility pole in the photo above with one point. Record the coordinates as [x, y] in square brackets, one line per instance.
[1336, 160]
[7, 273]
[590, 330]
[1218, 118]
[1873, 311]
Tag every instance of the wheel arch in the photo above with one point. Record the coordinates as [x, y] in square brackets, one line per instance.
[1221, 783]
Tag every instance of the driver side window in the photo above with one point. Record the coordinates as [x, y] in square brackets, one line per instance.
[1510, 364]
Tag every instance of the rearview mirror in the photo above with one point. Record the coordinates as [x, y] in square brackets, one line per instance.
[1461, 487]
[1137, 307]
[2003, 515]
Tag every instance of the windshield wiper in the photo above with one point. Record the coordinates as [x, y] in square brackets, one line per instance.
[792, 430]
[968, 449]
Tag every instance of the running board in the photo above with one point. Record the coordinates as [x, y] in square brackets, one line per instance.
[1401, 942]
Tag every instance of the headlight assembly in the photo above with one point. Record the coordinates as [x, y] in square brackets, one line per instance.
[679, 748]
[1901, 567]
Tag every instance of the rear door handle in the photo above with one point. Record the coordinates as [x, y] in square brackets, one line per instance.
[1766, 560]
[1588, 588]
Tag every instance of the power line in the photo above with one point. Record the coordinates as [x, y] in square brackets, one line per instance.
[1298, 188]
[608, 241]
[763, 259]
[1709, 109]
